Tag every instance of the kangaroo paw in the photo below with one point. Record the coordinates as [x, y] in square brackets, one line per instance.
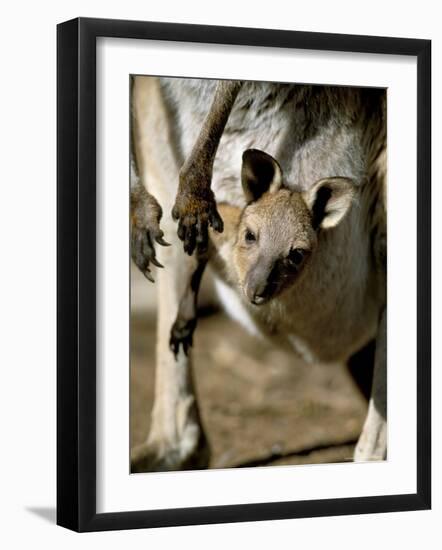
[181, 334]
[194, 213]
[146, 216]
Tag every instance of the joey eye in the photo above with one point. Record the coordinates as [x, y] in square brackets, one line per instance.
[250, 237]
[296, 256]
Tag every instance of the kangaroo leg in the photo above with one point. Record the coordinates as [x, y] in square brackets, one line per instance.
[186, 319]
[195, 206]
[185, 322]
[176, 438]
[372, 444]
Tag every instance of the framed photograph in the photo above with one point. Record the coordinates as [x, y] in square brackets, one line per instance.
[243, 274]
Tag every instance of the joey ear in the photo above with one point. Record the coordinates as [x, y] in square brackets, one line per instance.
[329, 200]
[260, 173]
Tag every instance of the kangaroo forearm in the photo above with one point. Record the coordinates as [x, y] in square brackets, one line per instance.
[195, 205]
[196, 172]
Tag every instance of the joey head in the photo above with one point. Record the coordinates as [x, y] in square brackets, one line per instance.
[278, 230]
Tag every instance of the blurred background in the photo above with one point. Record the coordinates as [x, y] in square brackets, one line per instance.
[259, 405]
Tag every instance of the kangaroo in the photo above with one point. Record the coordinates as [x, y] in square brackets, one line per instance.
[313, 277]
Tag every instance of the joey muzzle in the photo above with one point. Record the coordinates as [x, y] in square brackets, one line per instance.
[260, 284]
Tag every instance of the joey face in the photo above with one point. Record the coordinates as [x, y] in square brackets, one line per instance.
[278, 230]
[275, 242]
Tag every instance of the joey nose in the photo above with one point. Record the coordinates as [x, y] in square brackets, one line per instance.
[256, 293]
[256, 287]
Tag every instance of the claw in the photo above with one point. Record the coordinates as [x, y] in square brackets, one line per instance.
[159, 239]
[148, 275]
[202, 236]
[181, 334]
[189, 242]
[156, 262]
[172, 346]
[216, 222]
[143, 251]
[181, 231]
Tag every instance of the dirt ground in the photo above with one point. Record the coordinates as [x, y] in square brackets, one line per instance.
[259, 405]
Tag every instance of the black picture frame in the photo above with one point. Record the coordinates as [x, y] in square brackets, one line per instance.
[76, 273]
